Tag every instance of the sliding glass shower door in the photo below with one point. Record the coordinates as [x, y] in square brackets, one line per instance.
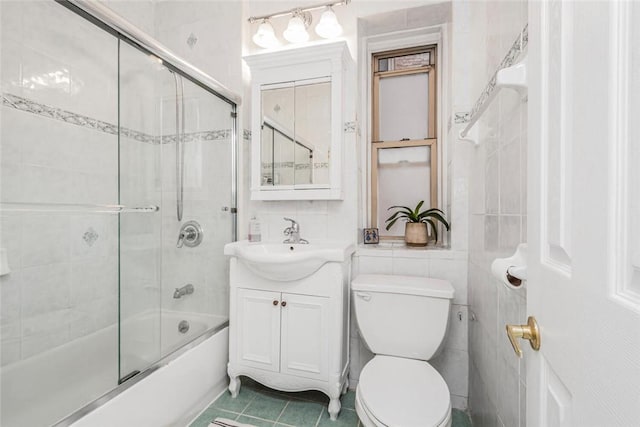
[176, 152]
[59, 220]
[197, 173]
[141, 77]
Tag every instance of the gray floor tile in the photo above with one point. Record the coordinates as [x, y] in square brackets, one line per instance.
[266, 406]
[460, 419]
[301, 413]
[346, 418]
[254, 421]
[349, 400]
[238, 404]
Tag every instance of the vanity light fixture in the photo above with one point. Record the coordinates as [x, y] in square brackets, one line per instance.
[328, 27]
[296, 32]
[265, 36]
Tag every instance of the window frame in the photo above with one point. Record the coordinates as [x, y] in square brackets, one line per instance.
[431, 141]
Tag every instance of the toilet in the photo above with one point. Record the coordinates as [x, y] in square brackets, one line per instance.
[403, 320]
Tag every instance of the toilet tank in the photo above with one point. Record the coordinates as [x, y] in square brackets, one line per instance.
[403, 316]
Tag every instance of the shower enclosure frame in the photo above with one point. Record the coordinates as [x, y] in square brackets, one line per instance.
[125, 31]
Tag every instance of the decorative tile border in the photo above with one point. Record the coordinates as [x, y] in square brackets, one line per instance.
[291, 165]
[463, 117]
[26, 105]
[138, 136]
[518, 46]
[210, 135]
[90, 236]
[349, 127]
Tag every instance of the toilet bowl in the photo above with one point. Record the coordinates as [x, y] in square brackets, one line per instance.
[403, 321]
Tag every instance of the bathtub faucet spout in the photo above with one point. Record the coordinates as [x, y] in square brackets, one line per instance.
[185, 290]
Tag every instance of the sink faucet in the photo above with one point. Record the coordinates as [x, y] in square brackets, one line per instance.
[185, 290]
[293, 232]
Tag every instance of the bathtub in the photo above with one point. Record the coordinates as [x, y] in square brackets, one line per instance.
[54, 384]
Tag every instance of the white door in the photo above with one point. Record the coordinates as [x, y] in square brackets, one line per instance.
[305, 336]
[583, 215]
[258, 329]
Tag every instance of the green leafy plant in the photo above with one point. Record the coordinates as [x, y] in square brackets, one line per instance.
[429, 216]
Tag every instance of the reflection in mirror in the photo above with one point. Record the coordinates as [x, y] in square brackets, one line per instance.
[296, 133]
[278, 135]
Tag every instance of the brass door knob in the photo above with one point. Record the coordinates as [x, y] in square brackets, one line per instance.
[530, 332]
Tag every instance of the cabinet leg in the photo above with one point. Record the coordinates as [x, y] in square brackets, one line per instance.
[234, 386]
[334, 408]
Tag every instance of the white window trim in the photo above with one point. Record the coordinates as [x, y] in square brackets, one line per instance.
[399, 40]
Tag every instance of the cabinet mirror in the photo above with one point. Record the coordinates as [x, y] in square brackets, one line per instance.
[295, 143]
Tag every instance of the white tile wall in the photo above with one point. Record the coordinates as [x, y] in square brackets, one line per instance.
[60, 287]
[217, 29]
[497, 207]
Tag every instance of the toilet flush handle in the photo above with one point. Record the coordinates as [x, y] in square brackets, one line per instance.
[364, 296]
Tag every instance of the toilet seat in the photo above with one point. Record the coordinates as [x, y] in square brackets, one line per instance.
[398, 392]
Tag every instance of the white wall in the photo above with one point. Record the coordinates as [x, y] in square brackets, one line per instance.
[345, 219]
[497, 210]
[450, 263]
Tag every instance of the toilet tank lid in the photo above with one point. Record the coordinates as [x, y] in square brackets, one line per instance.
[409, 285]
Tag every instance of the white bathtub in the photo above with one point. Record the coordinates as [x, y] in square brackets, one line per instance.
[148, 335]
[50, 386]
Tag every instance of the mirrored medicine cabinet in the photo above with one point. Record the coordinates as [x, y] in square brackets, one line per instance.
[297, 122]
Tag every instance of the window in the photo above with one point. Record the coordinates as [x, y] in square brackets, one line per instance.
[404, 142]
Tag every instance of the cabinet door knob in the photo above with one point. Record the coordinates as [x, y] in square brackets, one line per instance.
[275, 302]
[284, 303]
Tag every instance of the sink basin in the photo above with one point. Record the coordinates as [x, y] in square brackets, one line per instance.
[284, 261]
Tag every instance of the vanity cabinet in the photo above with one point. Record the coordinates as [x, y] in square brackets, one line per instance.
[283, 332]
[291, 335]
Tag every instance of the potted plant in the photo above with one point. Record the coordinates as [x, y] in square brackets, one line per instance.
[415, 232]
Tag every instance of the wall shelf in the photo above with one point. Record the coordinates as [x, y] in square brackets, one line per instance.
[513, 77]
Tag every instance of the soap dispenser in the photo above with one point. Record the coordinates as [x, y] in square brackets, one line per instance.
[254, 230]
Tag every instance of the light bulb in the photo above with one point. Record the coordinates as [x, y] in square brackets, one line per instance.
[296, 31]
[328, 27]
[265, 36]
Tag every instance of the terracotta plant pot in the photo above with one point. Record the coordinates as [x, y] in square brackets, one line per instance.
[415, 234]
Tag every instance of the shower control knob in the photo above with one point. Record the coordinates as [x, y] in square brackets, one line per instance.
[190, 235]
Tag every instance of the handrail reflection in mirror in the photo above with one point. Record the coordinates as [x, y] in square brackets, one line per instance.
[74, 207]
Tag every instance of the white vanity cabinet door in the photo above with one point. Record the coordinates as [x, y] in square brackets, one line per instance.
[258, 328]
[304, 336]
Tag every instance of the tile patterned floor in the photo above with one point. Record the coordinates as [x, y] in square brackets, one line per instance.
[261, 407]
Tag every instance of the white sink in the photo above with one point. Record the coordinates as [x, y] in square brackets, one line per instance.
[284, 261]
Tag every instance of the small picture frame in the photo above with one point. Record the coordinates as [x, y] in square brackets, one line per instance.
[371, 236]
